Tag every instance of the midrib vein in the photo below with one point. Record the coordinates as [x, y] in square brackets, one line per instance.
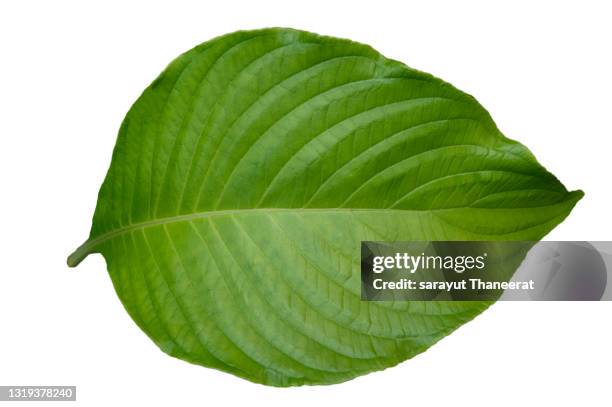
[86, 248]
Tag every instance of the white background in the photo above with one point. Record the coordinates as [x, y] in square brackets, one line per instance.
[69, 72]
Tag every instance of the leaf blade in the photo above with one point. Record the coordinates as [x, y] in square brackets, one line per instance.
[246, 175]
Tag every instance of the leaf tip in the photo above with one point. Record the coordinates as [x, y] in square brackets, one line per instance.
[576, 195]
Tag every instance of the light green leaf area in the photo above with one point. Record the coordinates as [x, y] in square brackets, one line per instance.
[246, 175]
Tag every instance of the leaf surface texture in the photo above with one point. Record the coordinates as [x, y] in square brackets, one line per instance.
[246, 175]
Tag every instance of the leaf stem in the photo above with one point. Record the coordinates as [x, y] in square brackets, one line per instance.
[80, 253]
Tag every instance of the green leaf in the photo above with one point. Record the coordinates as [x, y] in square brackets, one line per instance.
[246, 175]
